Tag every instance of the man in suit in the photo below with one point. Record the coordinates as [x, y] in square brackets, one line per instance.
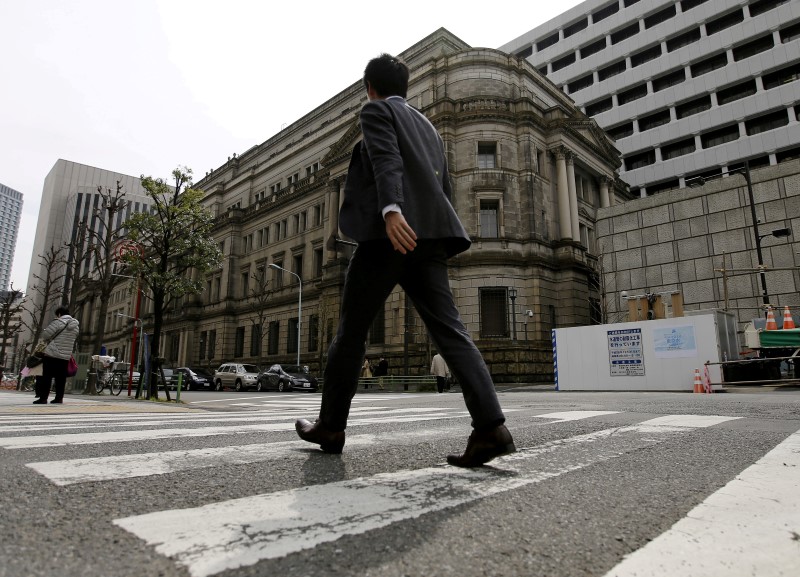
[397, 206]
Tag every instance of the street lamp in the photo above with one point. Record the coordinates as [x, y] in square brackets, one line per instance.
[745, 172]
[299, 305]
[512, 294]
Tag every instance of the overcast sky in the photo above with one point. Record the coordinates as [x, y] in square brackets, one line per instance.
[142, 86]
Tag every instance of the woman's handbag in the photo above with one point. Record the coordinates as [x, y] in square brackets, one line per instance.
[72, 367]
[36, 356]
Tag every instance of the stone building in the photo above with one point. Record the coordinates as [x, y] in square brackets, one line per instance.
[681, 240]
[529, 171]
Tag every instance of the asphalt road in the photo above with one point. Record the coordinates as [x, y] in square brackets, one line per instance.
[620, 484]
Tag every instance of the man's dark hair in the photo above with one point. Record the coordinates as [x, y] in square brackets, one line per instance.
[387, 75]
[60, 311]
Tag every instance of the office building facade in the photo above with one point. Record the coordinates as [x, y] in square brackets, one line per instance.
[10, 214]
[687, 88]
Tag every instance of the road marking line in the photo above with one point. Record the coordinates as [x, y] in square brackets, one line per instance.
[72, 471]
[565, 416]
[241, 532]
[144, 435]
[749, 527]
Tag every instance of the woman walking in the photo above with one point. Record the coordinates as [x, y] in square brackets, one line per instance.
[60, 335]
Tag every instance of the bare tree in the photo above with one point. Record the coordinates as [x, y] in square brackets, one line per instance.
[10, 312]
[259, 296]
[103, 235]
[77, 266]
[46, 290]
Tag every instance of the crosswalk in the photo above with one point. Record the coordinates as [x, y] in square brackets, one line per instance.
[240, 532]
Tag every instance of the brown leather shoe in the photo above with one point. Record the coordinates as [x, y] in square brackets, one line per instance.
[483, 446]
[329, 441]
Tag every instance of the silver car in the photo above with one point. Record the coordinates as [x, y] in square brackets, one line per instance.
[237, 375]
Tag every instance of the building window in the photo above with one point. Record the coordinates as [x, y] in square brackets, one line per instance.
[291, 342]
[736, 92]
[767, 122]
[238, 346]
[662, 186]
[313, 333]
[547, 42]
[646, 55]
[762, 6]
[676, 149]
[709, 64]
[625, 33]
[720, 136]
[790, 33]
[255, 341]
[671, 79]
[604, 13]
[695, 106]
[789, 154]
[490, 218]
[525, 52]
[245, 282]
[581, 83]
[486, 154]
[689, 4]
[621, 131]
[781, 77]
[724, 22]
[632, 94]
[563, 62]
[494, 312]
[203, 341]
[318, 262]
[576, 27]
[612, 70]
[297, 264]
[212, 344]
[376, 329]
[596, 108]
[277, 275]
[757, 46]
[652, 121]
[593, 48]
[682, 40]
[640, 160]
[273, 332]
[659, 17]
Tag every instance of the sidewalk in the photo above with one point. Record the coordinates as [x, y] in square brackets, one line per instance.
[21, 402]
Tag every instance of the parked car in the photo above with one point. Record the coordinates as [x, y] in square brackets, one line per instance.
[287, 378]
[195, 378]
[237, 375]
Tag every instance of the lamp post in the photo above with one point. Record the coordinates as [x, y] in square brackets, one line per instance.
[299, 305]
[512, 294]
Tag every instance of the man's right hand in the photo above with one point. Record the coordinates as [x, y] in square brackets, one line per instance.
[402, 236]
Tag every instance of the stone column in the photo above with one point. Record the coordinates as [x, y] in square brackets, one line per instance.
[333, 204]
[564, 219]
[605, 199]
[573, 198]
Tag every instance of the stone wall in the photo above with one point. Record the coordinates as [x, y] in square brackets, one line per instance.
[681, 239]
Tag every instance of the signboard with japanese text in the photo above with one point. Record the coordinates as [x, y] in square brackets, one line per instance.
[674, 342]
[625, 353]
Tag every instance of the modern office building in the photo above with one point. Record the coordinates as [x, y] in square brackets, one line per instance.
[70, 196]
[686, 87]
[10, 214]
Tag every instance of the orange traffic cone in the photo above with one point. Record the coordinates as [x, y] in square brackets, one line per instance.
[698, 382]
[788, 321]
[771, 324]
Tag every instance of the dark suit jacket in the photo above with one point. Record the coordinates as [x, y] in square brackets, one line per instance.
[400, 160]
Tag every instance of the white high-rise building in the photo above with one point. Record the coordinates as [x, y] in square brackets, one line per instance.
[10, 213]
[686, 87]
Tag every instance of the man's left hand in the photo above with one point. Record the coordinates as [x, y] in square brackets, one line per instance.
[402, 236]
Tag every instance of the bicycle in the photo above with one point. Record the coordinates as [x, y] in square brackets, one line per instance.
[106, 376]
